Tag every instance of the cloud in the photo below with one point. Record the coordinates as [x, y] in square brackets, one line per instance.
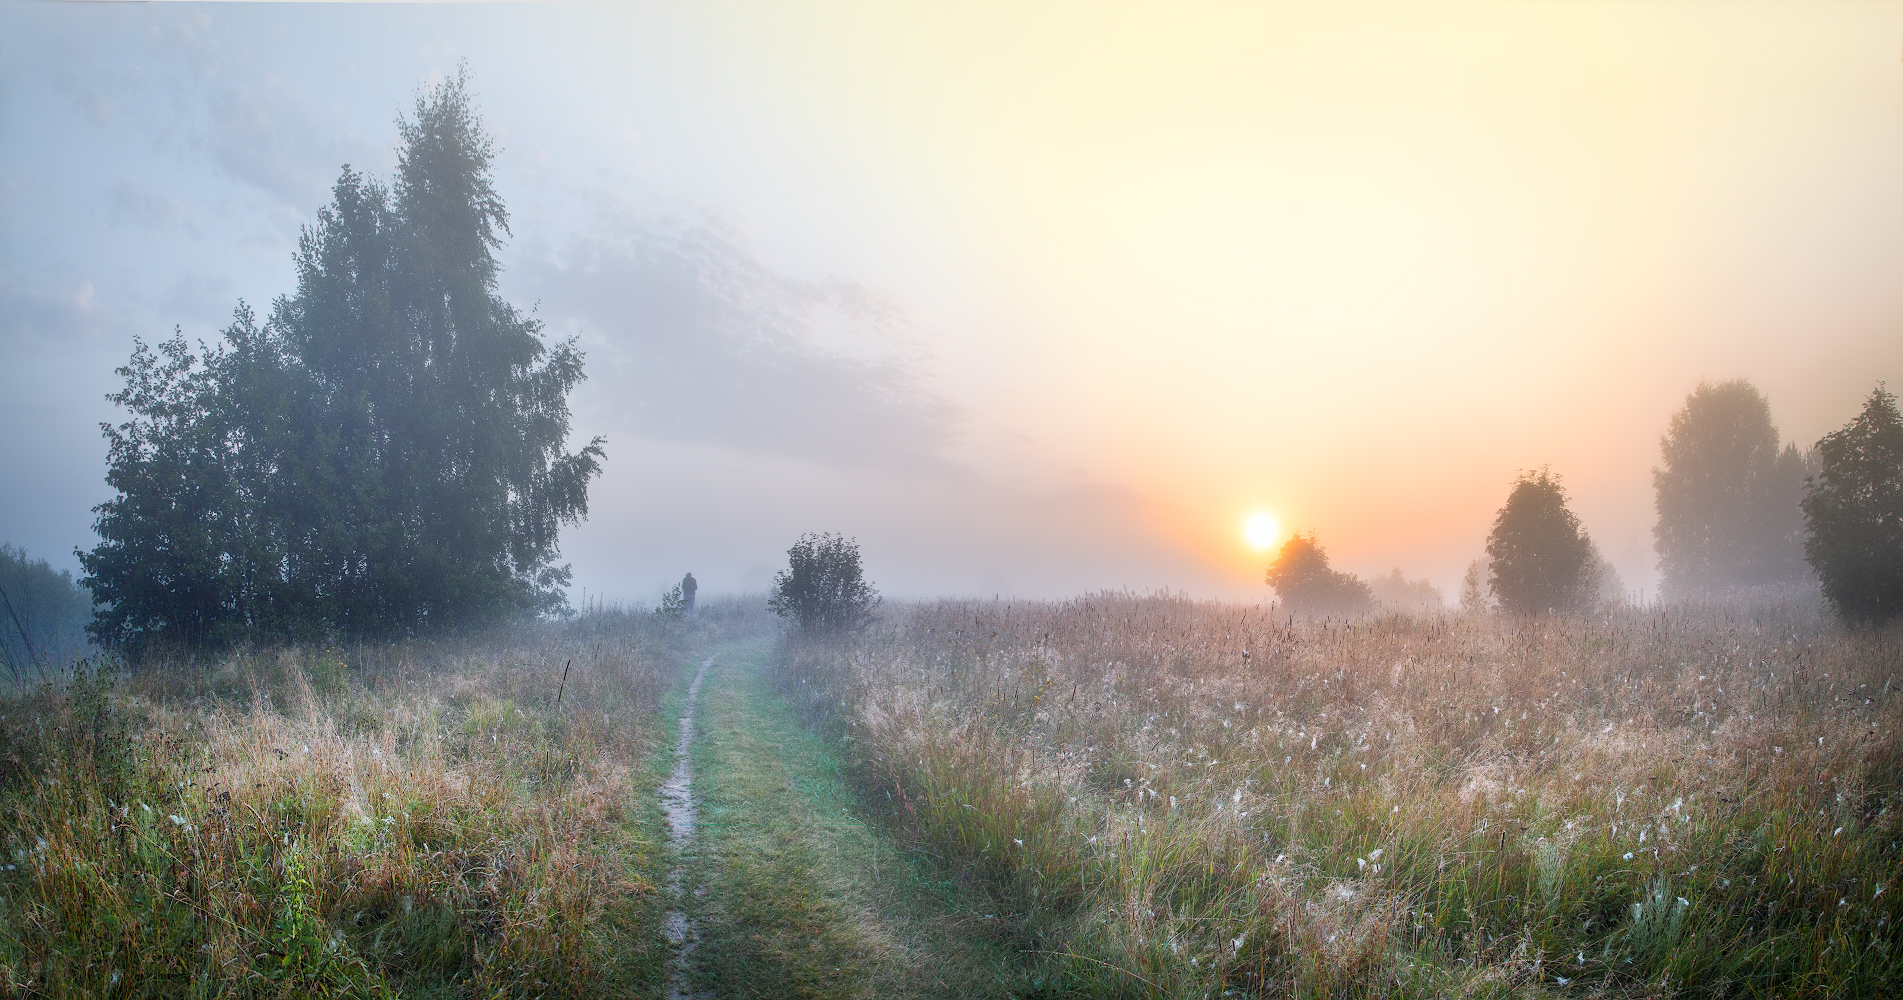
[264, 136]
[692, 338]
[138, 205]
[31, 314]
[189, 87]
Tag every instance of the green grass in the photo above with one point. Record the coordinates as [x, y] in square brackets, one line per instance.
[804, 899]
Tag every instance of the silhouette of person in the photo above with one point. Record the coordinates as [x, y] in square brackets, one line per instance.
[688, 586]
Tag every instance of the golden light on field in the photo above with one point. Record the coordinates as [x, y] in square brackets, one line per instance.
[1260, 530]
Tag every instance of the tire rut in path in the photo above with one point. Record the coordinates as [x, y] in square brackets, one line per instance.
[677, 802]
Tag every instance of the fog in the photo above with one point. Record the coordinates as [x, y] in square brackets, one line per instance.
[1030, 303]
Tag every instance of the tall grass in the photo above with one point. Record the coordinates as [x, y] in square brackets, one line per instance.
[1195, 799]
[459, 819]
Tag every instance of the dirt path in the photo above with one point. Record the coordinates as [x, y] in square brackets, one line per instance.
[795, 895]
[677, 802]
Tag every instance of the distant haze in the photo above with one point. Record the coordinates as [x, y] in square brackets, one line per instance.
[1030, 301]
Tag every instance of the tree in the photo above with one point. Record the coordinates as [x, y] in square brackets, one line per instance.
[384, 455]
[1854, 510]
[1305, 584]
[1474, 596]
[823, 589]
[1539, 559]
[1727, 497]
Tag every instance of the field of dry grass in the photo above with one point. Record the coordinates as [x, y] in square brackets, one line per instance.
[1195, 799]
[473, 818]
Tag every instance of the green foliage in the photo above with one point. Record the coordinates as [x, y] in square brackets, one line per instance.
[1541, 560]
[382, 456]
[1727, 497]
[673, 606]
[43, 615]
[1302, 579]
[1854, 509]
[823, 590]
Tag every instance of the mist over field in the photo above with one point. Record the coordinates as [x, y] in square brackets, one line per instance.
[738, 500]
[1032, 311]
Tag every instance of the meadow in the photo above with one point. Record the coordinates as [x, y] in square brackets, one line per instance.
[1116, 796]
[1187, 799]
[454, 819]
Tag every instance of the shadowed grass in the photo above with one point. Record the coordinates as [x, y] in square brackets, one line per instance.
[456, 820]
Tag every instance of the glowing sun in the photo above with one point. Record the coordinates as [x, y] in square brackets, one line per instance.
[1260, 530]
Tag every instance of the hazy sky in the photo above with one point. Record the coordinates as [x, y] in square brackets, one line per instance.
[1031, 299]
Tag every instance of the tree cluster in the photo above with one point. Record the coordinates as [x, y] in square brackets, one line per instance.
[43, 615]
[381, 455]
[1399, 593]
[1306, 585]
[1736, 512]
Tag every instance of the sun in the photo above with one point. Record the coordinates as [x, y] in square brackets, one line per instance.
[1260, 530]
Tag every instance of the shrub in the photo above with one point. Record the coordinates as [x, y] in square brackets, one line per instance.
[823, 590]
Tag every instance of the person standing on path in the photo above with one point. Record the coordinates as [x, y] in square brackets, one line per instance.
[688, 586]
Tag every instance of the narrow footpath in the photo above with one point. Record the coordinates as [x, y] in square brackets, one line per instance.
[795, 896]
[683, 821]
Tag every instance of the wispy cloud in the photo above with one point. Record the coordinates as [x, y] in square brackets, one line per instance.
[135, 204]
[48, 315]
[693, 338]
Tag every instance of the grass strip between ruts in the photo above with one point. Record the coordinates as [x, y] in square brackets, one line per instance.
[796, 895]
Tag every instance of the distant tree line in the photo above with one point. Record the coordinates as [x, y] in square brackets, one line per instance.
[43, 616]
[1738, 510]
[382, 455]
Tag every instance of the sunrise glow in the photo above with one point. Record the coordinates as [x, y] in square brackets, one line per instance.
[1261, 530]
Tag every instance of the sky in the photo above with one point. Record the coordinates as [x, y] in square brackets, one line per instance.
[1032, 300]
